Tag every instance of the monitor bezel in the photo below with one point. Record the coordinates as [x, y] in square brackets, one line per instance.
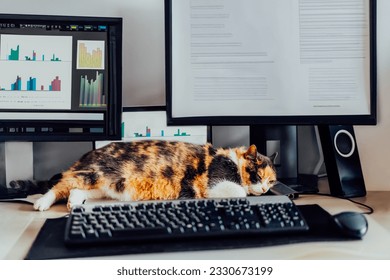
[112, 119]
[369, 119]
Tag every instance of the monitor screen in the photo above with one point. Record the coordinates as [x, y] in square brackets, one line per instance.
[271, 62]
[60, 78]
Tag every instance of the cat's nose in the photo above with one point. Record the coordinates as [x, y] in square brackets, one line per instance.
[265, 188]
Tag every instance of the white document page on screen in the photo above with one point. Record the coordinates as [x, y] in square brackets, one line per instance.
[263, 57]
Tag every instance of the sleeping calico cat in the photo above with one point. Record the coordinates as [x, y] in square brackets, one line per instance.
[151, 170]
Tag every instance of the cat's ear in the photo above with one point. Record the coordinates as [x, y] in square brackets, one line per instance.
[251, 153]
[273, 157]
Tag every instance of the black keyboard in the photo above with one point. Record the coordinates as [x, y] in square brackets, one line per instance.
[91, 224]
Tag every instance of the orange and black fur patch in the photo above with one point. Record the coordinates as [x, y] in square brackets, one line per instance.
[151, 170]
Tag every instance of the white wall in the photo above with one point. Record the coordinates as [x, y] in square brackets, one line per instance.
[143, 68]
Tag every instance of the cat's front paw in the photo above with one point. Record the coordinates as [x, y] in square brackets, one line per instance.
[76, 197]
[45, 202]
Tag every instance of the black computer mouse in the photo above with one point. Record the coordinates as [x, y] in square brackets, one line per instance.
[351, 224]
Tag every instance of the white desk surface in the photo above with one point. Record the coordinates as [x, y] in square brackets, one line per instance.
[20, 224]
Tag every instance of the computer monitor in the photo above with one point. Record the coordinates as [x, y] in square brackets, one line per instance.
[266, 63]
[61, 78]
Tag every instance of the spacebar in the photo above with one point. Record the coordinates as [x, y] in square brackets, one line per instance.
[138, 233]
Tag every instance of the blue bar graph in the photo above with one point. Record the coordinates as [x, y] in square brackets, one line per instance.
[32, 84]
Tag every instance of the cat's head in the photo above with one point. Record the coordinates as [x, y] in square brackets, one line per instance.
[257, 171]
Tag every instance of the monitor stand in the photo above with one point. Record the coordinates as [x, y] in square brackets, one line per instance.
[284, 140]
[18, 158]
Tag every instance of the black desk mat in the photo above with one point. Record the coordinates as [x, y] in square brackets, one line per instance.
[49, 243]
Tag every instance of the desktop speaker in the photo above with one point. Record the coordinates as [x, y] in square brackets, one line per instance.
[342, 160]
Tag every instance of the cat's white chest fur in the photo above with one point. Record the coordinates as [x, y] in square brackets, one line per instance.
[227, 189]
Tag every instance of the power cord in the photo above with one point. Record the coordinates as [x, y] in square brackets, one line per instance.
[369, 211]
